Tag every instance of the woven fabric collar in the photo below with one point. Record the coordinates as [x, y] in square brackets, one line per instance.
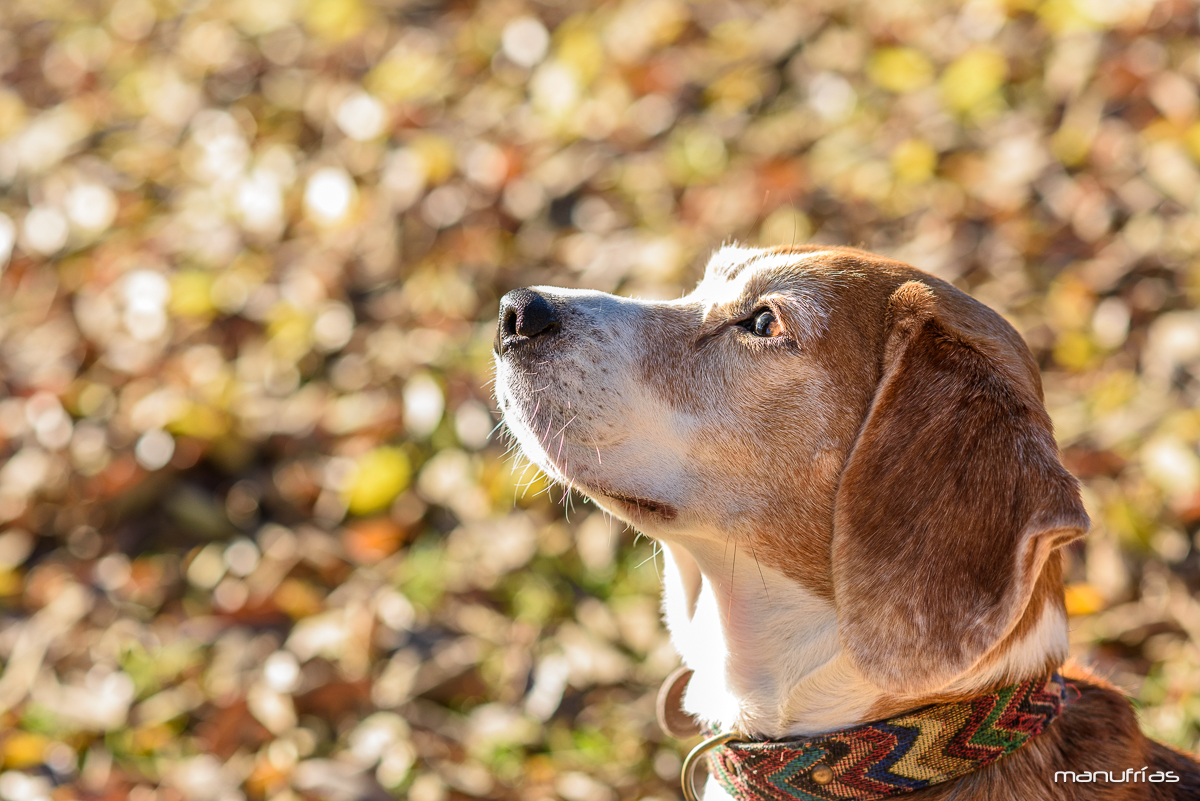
[895, 756]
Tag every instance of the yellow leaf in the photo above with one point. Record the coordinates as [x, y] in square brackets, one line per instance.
[973, 78]
[148, 739]
[382, 475]
[290, 330]
[736, 90]
[1191, 138]
[1083, 599]
[580, 49]
[191, 293]
[411, 71]
[336, 20]
[1116, 389]
[914, 161]
[10, 582]
[437, 157]
[12, 113]
[1064, 16]
[201, 422]
[297, 599]
[1070, 304]
[1161, 130]
[696, 154]
[24, 749]
[1071, 144]
[664, 21]
[1074, 350]
[900, 69]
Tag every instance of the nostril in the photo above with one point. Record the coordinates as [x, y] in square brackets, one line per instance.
[508, 322]
[525, 314]
[536, 317]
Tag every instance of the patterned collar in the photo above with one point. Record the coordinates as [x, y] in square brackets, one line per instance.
[891, 757]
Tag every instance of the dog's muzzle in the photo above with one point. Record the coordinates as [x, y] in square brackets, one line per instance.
[525, 315]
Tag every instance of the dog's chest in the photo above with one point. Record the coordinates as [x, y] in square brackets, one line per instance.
[765, 651]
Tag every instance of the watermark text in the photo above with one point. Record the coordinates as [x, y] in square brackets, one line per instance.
[1130, 775]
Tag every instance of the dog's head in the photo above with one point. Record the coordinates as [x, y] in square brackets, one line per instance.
[870, 431]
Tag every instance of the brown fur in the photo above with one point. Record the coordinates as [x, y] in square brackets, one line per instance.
[900, 464]
[1099, 731]
[931, 542]
[944, 559]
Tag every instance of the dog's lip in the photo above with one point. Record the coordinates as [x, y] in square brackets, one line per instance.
[660, 509]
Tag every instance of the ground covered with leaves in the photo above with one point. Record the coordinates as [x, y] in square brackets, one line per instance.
[255, 540]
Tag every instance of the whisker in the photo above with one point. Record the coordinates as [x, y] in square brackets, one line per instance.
[653, 554]
[524, 487]
[570, 495]
[729, 609]
[564, 428]
[760, 573]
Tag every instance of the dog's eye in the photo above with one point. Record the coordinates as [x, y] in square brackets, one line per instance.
[764, 324]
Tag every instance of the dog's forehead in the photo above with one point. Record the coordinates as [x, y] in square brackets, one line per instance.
[731, 260]
[738, 274]
[733, 269]
[734, 262]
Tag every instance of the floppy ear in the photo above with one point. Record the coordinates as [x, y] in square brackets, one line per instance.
[949, 505]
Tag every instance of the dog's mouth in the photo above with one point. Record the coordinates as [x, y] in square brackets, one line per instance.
[565, 455]
[638, 507]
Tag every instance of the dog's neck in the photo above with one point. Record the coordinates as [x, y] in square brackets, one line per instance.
[767, 655]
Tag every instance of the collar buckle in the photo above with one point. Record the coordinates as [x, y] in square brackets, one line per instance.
[689, 764]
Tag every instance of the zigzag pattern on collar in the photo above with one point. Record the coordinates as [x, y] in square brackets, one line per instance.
[891, 757]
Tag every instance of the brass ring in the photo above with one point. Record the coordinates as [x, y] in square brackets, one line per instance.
[689, 764]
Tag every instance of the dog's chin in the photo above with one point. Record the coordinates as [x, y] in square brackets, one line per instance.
[570, 467]
[635, 509]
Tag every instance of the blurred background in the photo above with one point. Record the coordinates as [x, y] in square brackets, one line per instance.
[256, 537]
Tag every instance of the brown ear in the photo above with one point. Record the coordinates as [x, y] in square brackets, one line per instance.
[949, 505]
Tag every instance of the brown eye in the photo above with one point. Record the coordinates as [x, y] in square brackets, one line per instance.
[764, 324]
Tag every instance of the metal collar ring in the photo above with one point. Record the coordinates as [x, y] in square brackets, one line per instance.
[689, 764]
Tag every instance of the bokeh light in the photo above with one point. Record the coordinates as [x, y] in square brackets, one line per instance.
[257, 537]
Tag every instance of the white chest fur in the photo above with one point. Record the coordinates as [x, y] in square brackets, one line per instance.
[765, 651]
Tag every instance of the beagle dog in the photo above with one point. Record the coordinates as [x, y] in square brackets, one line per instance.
[855, 482]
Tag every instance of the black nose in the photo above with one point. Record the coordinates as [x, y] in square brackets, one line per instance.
[524, 315]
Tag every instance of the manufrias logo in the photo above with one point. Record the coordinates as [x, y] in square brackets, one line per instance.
[1130, 775]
